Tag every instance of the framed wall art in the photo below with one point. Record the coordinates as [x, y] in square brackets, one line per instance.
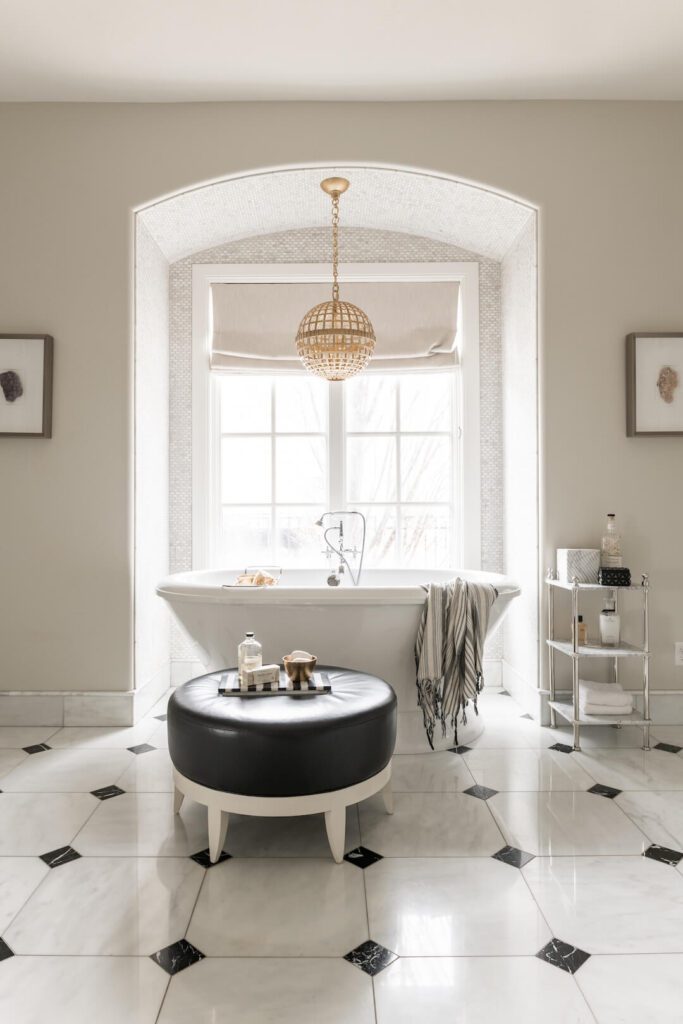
[654, 384]
[26, 385]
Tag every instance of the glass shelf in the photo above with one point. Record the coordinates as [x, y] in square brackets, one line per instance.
[566, 710]
[592, 586]
[624, 650]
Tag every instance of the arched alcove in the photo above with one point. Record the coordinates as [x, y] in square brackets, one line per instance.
[281, 215]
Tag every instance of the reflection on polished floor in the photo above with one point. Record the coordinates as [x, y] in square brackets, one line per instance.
[514, 883]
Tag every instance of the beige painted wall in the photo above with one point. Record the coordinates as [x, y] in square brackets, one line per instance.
[607, 180]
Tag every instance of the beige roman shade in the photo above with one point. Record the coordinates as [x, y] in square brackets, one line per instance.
[254, 325]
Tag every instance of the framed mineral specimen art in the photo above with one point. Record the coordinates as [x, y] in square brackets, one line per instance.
[654, 384]
[26, 385]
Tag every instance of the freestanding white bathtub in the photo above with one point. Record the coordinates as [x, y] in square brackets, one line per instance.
[371, 627]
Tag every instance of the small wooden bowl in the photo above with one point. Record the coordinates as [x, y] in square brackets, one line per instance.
[299, 671]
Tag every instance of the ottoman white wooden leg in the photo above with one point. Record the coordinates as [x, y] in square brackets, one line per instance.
[178, 798]
[388, 798]
[220, 805]
[335, 823]
[218, 829]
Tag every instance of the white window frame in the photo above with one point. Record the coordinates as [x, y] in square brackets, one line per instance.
[205, 451]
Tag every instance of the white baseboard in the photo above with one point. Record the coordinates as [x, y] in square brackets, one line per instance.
[526, 695]
[666, 707]
[40, 707]
[32, 708]
[75, 708]
[145, 697]
[493, 674]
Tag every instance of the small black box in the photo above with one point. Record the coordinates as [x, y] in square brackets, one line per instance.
[614, 577]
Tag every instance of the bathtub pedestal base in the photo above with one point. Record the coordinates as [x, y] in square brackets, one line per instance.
[333, 805]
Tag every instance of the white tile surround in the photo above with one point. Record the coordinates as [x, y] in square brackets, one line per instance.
[380, 198]
[521, 523]
[272, 933]
[312, 245]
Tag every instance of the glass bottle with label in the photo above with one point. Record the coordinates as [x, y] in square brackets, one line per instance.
[582, 632]
[610, 546]
[249, 654]
[610, 625]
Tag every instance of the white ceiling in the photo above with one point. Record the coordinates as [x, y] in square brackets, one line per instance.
[183, 50]
[391, 200]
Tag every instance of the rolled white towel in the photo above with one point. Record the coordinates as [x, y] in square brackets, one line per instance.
[606, 709]
[608, 694]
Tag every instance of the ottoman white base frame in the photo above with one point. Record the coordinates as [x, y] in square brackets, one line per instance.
[333, 805]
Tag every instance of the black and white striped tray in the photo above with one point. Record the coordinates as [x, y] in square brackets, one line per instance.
[228, 686]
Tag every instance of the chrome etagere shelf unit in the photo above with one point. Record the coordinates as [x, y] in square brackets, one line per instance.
[569, 709]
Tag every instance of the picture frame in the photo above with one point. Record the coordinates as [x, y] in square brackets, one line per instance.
[654, 384]
[26, 362]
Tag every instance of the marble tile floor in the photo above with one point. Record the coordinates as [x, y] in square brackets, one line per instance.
[515, 882]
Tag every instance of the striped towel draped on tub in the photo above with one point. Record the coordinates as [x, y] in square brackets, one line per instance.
[449, 651]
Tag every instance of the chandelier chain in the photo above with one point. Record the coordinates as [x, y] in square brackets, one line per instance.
[335, 339]
[335, 247]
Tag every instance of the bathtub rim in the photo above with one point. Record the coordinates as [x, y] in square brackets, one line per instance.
[187, 587]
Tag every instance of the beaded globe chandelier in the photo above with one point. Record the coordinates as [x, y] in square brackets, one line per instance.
[335, 339]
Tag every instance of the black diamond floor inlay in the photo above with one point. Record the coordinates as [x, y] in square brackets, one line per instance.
[481, 792]
[663, 854]
[530, 717]
[564, 748]
[511, 855]
[204, 859]
[371, 957]
[107, 792]
[670, 748]
[561, 954]
[141, 748]
[177, 957]
[5, 951]
[55, 858]
[607, 791]
[459, 750]
[505, 693]
[161, 718]
[362, 857]
[37, 748]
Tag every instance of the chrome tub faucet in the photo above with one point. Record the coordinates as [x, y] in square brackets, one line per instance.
[339, 550]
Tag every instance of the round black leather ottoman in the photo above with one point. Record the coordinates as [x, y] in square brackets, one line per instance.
[282, 755]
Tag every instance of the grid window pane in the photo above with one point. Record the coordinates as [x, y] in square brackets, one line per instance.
[371, 468]
[298, 541]
[381, 537]
[426, 468]
[245, 536]
[300, 469]
[370, 403]
[245, 404]
[300, 405]
[245, 469]
[425, 537]
[395, 435]
[426, 401]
